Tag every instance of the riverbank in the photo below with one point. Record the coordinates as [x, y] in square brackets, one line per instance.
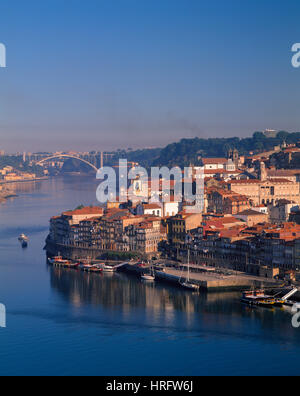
[76, 252]
[24, 181]
[6, 190]
[6, 194]
[210, 281]
[207, 279]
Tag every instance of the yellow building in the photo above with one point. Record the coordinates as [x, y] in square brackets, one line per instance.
[179, 225]
[264, 192]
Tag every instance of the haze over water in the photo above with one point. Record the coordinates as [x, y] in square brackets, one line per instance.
[62, 322]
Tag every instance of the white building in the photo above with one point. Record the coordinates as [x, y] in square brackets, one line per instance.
[153, 209]
[170, 208]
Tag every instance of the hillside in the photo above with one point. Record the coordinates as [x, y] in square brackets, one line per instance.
[188, 151]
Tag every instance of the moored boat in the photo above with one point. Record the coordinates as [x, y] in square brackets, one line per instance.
[189, 286]
[148, 278]
[86, 267]
[96, 269]
[108, 269]
[58, 261]
[259, 298]
[186, 283]
[23, 237]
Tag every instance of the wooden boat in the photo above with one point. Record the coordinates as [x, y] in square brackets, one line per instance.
[108, 269]
[259, 298]
[58, 261]
[86, 267]
[96, 269]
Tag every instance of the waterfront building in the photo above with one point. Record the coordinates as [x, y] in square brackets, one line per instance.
[62, 227]
[116, 230]
[145, 237]
[248, 248]
[179, 225]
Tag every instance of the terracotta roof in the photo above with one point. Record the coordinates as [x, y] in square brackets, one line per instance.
[256, 181]
[207, 161]
[151, 206]
[251, 212]
[221, 172]
[280, 181]
[85, 211]
[250, 181]
[283, 172]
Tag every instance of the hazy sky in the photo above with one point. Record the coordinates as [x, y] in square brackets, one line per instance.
[104, 74]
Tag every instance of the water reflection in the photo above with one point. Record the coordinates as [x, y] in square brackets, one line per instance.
[218, 313]
[120, 290]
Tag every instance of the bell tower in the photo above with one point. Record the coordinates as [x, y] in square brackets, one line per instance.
[263, 176]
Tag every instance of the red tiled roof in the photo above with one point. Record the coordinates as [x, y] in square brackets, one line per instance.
[85, 211]
[221, 172]
[251, 212]
[208, 161]
[256, 181]
[151, 206]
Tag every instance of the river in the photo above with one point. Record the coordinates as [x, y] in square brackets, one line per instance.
[63, 322]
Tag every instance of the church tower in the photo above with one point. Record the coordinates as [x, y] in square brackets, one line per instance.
[263, 172]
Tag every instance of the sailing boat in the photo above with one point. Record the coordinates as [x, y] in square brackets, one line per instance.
[187, 284]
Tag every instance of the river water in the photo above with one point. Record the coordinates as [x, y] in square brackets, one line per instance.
[63, 322]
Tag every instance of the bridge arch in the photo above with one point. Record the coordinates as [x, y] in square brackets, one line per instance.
[67, 156]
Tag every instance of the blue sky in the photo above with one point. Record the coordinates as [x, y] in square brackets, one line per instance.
[105, 74]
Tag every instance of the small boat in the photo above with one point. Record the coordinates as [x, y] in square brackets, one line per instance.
[259, 298]
[23, 237]
[71, 265]
[108, 269]
[58, 261]
[96, 269]
[24, 244]
[190, 286]
[148, 278]
[86, 267]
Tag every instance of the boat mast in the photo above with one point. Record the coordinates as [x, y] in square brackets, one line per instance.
[188, 271]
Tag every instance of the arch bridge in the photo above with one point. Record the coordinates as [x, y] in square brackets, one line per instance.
[67, 156]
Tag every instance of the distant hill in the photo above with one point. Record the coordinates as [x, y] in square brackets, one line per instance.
[188, 151]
